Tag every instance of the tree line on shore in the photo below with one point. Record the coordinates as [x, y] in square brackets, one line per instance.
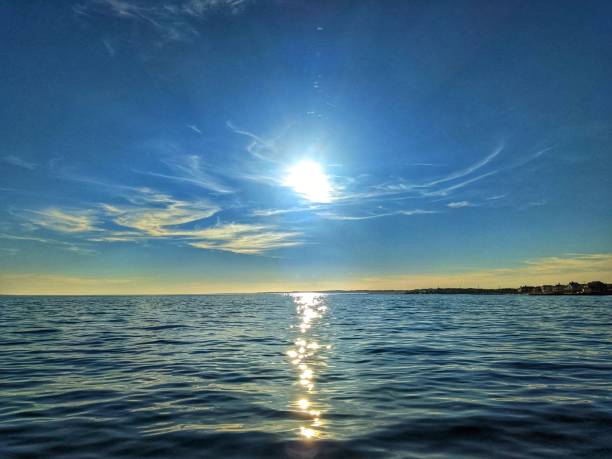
[573, 288]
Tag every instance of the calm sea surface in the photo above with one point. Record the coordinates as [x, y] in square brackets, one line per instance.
[305, 376]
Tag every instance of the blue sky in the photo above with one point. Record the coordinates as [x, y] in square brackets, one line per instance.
[234, 145]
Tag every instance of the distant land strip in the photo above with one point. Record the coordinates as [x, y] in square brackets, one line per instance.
[571, 289]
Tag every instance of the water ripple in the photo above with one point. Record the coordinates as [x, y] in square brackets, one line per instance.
[305, 376]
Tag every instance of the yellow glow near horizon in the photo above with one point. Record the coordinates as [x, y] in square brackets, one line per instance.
[308, 180]
[537, 271]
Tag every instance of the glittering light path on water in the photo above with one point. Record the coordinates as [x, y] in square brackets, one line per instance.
[306, 357]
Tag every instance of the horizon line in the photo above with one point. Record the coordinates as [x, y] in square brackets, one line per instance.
[275, 292]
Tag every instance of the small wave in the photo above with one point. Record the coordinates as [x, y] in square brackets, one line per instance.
[164, 327]
[37, 331]
[409, 351]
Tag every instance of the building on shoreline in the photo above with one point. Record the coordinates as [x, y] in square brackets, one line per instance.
[596, 288]
[547, 289]
[573, 288]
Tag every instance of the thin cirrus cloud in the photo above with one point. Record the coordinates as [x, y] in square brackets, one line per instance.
[62, 221]
[138, 214]
[164, 217]
[194, 128]
[447, 191]
[336, 216]
[275, 212]
[258, 147]
[350, 191]
[150, 215]
[72, 247]
[176, 20]
[464, 172]
[169, 222]
[370, 198]
[459, 204]
[155, 221]
[189, 169]
[244, 238]
[572, 262]
[19, 162]
[403, 187]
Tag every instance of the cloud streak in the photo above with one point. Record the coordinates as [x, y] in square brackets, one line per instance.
[188, 169]
[176, 20]
[47, 241]
[336, 216]
[19, 162]
[462, 173]
[151, 215]
[459, 204]
[172, 219]
[245, 239]
[257, 147]
[63, 221]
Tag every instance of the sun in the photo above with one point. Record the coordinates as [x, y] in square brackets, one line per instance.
[308, 180]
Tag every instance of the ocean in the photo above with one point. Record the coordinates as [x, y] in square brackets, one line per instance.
[306, 376]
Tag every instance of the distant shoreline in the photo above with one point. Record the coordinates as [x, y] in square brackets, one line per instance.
[453, 291]
[524, 291]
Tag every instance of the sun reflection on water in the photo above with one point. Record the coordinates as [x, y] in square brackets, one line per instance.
[304, 355]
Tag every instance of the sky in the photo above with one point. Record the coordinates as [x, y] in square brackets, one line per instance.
[195, 146]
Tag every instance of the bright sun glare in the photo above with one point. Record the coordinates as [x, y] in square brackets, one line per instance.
[307, 179]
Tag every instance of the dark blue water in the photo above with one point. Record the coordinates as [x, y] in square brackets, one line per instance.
[336, 376]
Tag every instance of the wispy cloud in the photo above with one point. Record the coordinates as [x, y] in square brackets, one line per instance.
[459, 204]
[176, 20]
[109, 47]
[171, 221]
[275, 212]
[446, 191]
[245, 239]
[189, 169]
[150, 215]
[401, 188]
[462, 173]
[27, 238]
[572, 262]
[356, 191]
[154, 217]
[63, 221]
[496, 197]
[19, 162]
[146, 214]
[529, 204]
[257, 146]
[77, 248]
[336, 216]
[194, 128]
